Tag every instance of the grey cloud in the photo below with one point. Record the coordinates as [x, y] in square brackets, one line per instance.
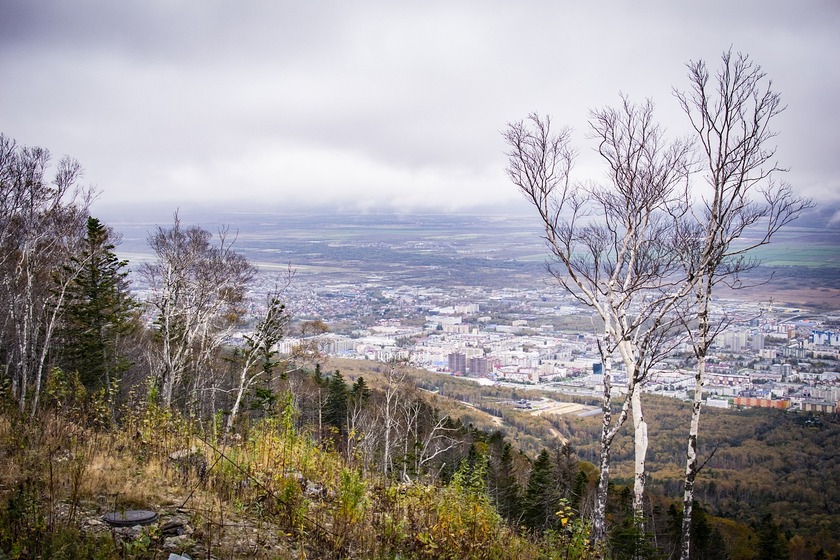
[222, 100]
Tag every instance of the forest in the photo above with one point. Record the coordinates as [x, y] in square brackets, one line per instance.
[176, 401]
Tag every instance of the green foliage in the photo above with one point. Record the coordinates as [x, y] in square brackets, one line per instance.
[64, 543]
[540, 501]
[771, 541]
[506, 487]
[99, 310]
[280, 477]
[471, 475]
[579, 488]
[351, 496]
[267, 333]
[67, 395]
[571, 538]
[765, 461]
[716, 547]
[22, 520]
[335, 408]
[264, 400]
[629, 542]
[359, 393]
[144, 545]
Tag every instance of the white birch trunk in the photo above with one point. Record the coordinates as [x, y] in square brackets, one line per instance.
[599, 517]
[640, 440]
[640, 428]
[245, 383]
[243, 387]
[49, 330]
[691, 459]
[691, 467]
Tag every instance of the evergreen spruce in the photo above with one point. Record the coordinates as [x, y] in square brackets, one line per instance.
[99, 311]
[335, 408]
[507, 489]
[540, 501]
[629, 542]
[771, 543]
[359, 393]
[701, 533]
[717, 549]
[566, 470]
[579, 489]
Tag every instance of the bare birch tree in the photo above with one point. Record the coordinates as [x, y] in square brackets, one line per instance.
[425, 434]
[731, 114]
[258, 356]
[41, 227]
[610, 247]
[197, 288]
[389, 414]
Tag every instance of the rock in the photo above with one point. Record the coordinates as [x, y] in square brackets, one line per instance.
[172, 529]
[314, 491]
[189, 461]
[183, 454]
[128, 533]
[94, 525]
[177, 543]
[175, 525]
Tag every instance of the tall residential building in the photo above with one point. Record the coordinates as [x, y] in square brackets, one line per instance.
[735, 341]
[479, 366]
[827, 338]
[457, 362]
[786, 370]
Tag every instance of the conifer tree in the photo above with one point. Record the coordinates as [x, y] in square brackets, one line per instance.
[356, 402]
[579, 489]
[540, 501]
[717, 549]
[701, 533]
[771, 543]
[359, 393]
[507, 489]
[565, 470]
[335, 408]
[99, 310]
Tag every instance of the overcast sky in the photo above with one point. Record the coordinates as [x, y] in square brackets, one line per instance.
[380, 104]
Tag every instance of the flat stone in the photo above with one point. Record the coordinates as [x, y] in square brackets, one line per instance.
[177, 543]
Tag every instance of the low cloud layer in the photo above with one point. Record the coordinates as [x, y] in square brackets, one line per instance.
[374, 104]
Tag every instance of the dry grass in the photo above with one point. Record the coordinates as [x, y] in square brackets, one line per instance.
[273, 494]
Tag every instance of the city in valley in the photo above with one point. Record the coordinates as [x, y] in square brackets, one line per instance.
[470, 296]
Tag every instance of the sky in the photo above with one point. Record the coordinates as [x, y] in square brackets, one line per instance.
[382, 105]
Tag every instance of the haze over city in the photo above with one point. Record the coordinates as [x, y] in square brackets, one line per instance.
[377, 106]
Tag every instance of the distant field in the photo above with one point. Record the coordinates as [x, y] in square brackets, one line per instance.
[801, 246]
[801, 266]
